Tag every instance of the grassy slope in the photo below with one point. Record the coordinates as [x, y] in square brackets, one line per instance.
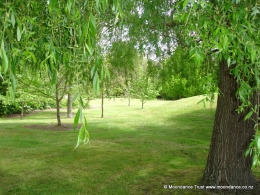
[132, 151]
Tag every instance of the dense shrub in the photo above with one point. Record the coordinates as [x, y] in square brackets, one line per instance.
[16, 108]
[6, 109]
[180, 77]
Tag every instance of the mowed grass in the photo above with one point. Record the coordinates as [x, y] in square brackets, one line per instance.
[131, 151]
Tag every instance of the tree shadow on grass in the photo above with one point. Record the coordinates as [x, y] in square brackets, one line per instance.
[7, 185]
[38, 114]
[182, 145]
[52, 127]
[32, 126]
[30, 183]
[169, 151]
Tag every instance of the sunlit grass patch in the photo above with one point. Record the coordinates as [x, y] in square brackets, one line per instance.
[131, 150]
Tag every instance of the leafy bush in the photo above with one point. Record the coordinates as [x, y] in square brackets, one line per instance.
[6, 109]
[16, 108]
[180, 77]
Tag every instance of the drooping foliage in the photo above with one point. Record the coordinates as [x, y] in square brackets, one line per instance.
[123, 58]
[230, 29]
[48, 34]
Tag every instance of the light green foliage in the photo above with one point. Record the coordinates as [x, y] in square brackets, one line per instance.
[254, 150]
[232, 28]
[180, 77]
[143, 87]
[83, 135]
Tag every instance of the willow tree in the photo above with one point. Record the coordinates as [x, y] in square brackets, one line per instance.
[123, 58]
[46, 35]
[229, 32]
[230, 28]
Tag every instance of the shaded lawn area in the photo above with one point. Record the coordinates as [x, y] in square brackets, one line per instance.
[132, 151]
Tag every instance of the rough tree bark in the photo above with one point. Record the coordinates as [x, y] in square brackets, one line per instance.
[226, 164]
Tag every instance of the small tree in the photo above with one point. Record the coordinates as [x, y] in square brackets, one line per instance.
[122, 58]
[104, 82]
[143, 87]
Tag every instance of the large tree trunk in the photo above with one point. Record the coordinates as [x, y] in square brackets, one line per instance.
[69, 108]
[58, 106]
[227, 165]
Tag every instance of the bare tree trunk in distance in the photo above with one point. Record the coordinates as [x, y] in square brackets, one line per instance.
[57, 105]
[226, 164]
[128, 93]
[69, 108]
[129, 101]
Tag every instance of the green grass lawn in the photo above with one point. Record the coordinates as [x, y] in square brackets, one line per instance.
[132, 151]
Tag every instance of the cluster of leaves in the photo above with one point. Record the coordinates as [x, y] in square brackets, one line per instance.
[180, 77]
[232, 31]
